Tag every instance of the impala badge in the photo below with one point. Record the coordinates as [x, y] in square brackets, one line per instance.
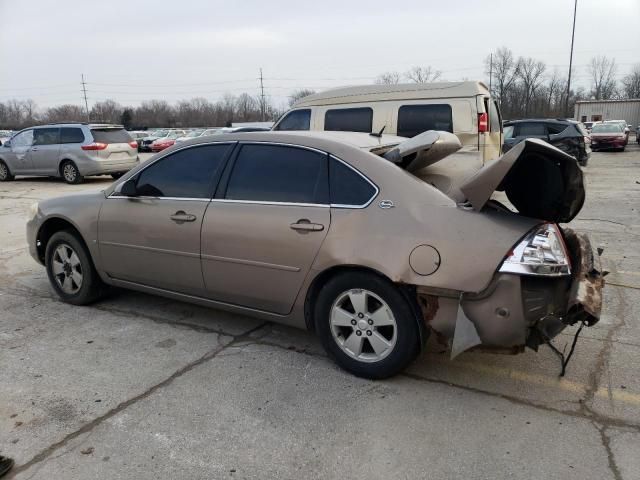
[386, 204]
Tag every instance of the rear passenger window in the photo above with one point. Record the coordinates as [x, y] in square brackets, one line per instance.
[555, 128]
[273, 173]
[46, 136]
[188, 173]
[349, 120]
[111, 135]
[415, 119]
[296, 120]
[71, 135]
[347, 187]
[530, 130]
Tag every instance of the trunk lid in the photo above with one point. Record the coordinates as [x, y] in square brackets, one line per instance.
[540, 180]
[117, 141]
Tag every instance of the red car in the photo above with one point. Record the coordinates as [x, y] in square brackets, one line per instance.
[164, 142]
[608, 135]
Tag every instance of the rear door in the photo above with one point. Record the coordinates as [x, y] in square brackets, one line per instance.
[153, 238]
[264, 228]
[118, 144]
[45, 150]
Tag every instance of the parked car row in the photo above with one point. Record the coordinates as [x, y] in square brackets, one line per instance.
[158, 140]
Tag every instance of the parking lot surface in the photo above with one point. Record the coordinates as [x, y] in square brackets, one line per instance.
[143, 387]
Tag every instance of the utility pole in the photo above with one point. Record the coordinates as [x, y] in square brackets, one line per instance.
[261, 96]
[573, 33]
[84, 92]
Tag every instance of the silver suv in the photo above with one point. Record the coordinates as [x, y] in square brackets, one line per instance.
[69, 150]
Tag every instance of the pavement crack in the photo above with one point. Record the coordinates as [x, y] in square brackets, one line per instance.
[88, 427]
[606, 443]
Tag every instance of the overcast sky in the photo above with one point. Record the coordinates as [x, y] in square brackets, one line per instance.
[134, 50]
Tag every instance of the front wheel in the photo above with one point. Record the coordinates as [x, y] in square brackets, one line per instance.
[366, 325]
[70, 270]
[70, 172]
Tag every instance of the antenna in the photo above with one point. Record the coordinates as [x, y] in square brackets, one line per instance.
[84, 92]
[261, 96]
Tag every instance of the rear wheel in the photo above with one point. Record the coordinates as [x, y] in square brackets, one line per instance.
[70, 269]
[70, 172]
[366, 325]
[5, 173]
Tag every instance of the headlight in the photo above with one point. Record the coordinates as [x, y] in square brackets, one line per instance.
[33, 210]
[542, 252]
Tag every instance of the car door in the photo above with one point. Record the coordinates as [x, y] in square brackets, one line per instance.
[524, 130]
[45, 149]
[153, 238]
[264, 228]
[19, 159]
[561, 136]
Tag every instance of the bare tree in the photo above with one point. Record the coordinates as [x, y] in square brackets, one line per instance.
[65, 113]
[423, 74]
[299, 94]
[530, 74]
[388, 78]
[603, 77]
[631, 83]
[108, 111]
[505, 72]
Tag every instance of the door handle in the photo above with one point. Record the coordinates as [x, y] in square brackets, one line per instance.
[33, 149]
[306, 226]
[180, 217]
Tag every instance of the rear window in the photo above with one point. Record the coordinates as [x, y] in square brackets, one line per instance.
[415, 119]
[71, 135]
[110, 135]
[349, 120]
[296, 120]
[556, 128]
[530, 129]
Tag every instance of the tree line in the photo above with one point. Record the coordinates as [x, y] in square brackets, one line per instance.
[196, 112]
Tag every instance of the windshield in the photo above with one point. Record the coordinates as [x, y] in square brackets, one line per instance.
[606, 128]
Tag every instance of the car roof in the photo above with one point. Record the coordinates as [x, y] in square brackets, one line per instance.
[317, 139]
[540, 120]
[400, 91]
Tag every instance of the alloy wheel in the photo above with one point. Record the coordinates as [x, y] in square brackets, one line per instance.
[69, 172]
[363, 325]
[4, 171]
[67, 269]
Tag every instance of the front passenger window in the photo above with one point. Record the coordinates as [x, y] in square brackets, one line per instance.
[23, 139]
[187, 173]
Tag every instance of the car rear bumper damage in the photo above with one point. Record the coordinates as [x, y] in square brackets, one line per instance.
[518, 311]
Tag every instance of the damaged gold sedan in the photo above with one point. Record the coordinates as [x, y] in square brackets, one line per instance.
[372, 241]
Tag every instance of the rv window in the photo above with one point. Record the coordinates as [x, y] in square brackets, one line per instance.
[415, 119]
[296, 120]
[494, 117]
[349, 120]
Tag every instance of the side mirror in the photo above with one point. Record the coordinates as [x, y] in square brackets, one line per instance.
[7, 144]
[129, 188]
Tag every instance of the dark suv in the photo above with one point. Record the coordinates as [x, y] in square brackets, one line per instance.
[568, 135]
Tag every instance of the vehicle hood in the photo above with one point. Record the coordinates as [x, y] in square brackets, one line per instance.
[539, 180]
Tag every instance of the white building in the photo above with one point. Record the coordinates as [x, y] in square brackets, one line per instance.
[599, 110]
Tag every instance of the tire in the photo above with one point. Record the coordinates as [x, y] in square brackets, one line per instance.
[70, 173]
[5, 173]
[71, 271]
[117, 175]
[392, 319]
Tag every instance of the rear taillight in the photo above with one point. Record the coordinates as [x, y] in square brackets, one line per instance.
[95, 146]
[483, 122]
[587, 140]
[133, 144]
[541, 252]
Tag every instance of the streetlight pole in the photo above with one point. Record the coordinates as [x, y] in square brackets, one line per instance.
[573, 33]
